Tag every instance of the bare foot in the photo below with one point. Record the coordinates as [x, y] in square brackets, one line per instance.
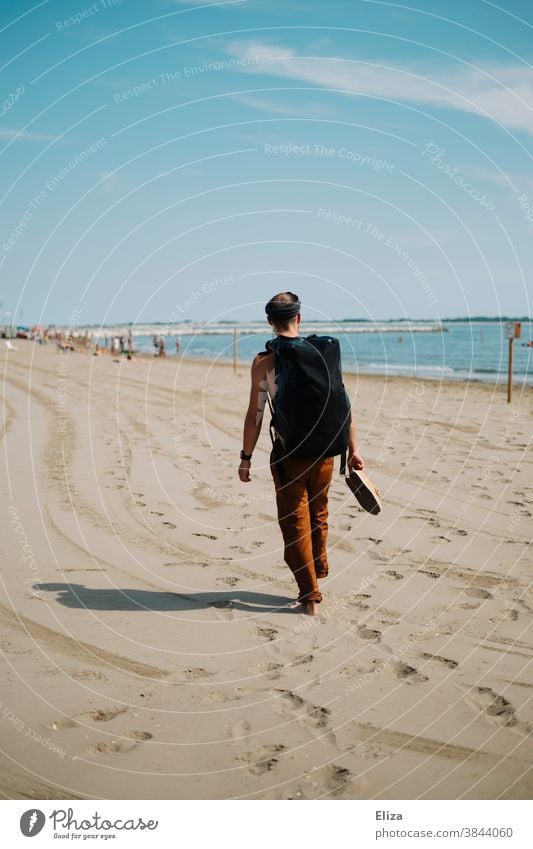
[309, 608]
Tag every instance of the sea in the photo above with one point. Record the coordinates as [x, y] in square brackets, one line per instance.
[462, 351]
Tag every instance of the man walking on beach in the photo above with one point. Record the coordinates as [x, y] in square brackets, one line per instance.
[301, 466]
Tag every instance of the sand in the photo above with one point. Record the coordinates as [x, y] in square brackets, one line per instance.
[149, 649]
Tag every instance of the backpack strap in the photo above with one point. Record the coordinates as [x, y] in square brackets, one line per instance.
[342, 469]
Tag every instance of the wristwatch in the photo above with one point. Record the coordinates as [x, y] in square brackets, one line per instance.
[246, 457]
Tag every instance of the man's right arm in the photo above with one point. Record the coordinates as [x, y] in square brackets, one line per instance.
[254, 415]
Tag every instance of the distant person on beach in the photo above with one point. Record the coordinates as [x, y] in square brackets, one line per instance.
[178, 346]
[130, 345]
[311, 424]
[162, 352]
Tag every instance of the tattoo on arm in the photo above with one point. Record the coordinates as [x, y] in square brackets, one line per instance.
[262, 396]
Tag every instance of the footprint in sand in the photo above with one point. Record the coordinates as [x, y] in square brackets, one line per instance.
[272, 671]
[392, 617]
[207, 536]
[368, 633]
[268, 633]
[229, 694]
[498, 709]
[156, 513]
[303, 660]
[505, 616]
[139, 736]
[393, 575]
[451, 664]
[193, 673]
[359, 669]
[170, 525]
[87, 675]
[358, 601]
[315, 717]
[104, 715]
[107, 747]
[329, 780]
[230, 581]
[408, 673]
[477, 592]
[264, 759]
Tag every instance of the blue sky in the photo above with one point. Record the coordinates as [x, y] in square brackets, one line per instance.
[187, 160]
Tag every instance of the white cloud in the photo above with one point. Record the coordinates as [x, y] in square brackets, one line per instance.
[11, 133]
[206, 2]
[502, 93]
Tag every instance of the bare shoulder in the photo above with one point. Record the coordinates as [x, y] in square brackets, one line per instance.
[262, 364]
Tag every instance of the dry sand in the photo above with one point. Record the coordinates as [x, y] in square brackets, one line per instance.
[148, 647]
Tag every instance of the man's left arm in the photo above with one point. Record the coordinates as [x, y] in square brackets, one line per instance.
[354, 460]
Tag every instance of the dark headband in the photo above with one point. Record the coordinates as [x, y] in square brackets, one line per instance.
[282, 309]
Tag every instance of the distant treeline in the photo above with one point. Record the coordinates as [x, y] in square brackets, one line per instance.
[473, 319]
[462, 320]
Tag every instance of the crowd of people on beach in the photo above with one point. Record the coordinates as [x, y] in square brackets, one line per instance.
[116, 345]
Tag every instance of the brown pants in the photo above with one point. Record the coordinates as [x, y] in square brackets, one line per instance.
[302, 501]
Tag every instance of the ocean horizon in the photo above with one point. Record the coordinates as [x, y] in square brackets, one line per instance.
[452, 350]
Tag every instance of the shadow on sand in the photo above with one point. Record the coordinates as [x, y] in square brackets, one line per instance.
[77, 595]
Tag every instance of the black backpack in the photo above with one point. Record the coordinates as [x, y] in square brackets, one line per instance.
[311, 410]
